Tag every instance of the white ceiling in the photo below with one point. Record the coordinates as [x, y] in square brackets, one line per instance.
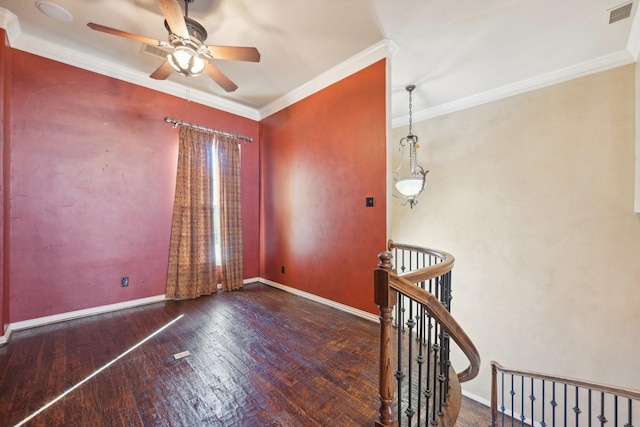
[457, 52]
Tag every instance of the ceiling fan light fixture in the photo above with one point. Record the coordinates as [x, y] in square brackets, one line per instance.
[185, 60]
[185, 52]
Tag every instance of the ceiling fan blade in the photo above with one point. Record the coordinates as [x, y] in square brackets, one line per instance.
[162, 72]
[218, 76]
[124, 34]
[173, 14]
[234, 53]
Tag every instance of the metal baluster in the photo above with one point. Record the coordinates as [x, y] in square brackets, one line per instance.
[449, 297]
[554, 404]
[522, 400]
[629, 416]
[565, 405]
[449, 290]
[447, 364]
[410, 412]
[513, 393]
[446, 348]
[615, 410]
[576, 409]
[532, 397]
[543, 423]
[442, 367]
[590, 417]
[602, 417]
[502, 397]
[420, 358]
[399, 374]
[434, 388]
[428, 393]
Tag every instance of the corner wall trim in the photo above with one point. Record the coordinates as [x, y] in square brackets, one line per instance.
[7, 335]
[636, 201]
[41, 321]
[342, 307]
[10, 23]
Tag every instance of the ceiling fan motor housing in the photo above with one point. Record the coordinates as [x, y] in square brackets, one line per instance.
[195, 29]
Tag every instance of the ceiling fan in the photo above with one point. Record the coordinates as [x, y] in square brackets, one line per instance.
[187, 53]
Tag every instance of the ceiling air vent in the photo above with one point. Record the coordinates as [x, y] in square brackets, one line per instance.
[620, 13]
[154, 51]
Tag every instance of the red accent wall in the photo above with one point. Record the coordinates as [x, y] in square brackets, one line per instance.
[321, 158]
[5, 86]
[92, 182]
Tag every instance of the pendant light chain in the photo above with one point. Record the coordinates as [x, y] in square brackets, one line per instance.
[410, 89]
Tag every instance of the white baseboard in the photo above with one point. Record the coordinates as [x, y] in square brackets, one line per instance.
[478, 399]
[342, 307]
[41, 321]
[61, 317]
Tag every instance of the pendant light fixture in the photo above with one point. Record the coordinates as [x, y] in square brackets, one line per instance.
[413, 182]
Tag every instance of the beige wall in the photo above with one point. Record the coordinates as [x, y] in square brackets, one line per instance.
[534, 196]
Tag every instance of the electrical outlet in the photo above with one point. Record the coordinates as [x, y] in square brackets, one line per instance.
[124, 282]
[282, 269]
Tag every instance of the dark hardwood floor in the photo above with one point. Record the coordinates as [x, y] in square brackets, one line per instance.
[258, 357]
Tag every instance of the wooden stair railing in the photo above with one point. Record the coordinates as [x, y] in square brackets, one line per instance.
[431, 395]
[521, 397]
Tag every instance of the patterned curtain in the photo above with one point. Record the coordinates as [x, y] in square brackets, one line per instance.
[192, 264]
[230, 212]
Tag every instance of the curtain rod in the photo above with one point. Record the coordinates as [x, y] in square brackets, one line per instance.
[177, 123]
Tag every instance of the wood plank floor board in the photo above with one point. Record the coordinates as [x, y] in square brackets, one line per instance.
[258, 357]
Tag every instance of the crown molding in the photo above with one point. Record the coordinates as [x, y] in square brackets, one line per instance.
[18, 40]
[633, 42]
[383, 49]
[10, 23]
[607, 62]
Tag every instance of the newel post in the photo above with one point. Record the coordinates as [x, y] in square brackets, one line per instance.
[385, 298]
[494, 395]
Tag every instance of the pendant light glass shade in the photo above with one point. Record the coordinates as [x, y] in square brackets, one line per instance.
[410, 186]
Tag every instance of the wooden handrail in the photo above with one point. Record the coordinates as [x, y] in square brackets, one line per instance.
[441, 254]
[435, 308]
[428, 273]
[619, 391]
